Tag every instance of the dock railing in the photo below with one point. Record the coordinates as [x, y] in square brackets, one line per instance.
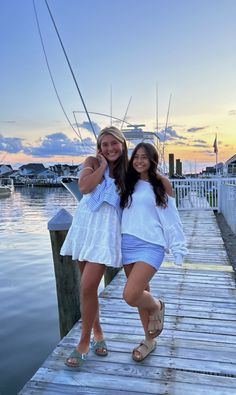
[200, 193]
[228, 204]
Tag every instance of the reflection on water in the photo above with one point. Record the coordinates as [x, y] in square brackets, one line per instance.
[29, 321]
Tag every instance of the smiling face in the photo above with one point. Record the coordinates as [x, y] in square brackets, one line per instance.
[111, 148]
[141, 163]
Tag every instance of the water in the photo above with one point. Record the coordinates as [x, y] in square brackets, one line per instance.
[29, 328]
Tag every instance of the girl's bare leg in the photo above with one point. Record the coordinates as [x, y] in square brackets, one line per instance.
[90, 280]
[97, 329]
[143, 313]
[135, 293]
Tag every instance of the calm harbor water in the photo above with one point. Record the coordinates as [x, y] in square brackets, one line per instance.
[29, 328]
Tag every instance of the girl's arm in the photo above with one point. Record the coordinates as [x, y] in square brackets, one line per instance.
[167, 184]
[92, 173]
[173, 231]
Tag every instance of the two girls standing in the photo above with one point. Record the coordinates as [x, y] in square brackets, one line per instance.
[150, 224]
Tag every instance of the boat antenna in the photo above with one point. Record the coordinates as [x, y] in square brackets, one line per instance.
[71, 70]
[127, 108]
[49, 70]
[165, 130]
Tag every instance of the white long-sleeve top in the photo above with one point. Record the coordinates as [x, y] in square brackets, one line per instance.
[152, 223]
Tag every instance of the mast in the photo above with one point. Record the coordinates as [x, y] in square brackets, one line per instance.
[157, 108]
[164, 138]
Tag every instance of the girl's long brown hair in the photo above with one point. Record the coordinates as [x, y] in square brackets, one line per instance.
[133, 176]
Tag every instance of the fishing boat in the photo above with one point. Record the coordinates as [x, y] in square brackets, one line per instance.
[6, 187]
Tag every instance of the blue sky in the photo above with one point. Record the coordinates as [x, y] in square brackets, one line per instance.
[186, 47]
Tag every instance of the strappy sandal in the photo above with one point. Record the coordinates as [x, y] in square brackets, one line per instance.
[156, 321]
[144, 349]
[99, 347]
[78, 358]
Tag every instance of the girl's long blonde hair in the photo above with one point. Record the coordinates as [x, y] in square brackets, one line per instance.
[121, 165]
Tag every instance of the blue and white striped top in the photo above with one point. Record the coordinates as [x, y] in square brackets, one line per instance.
[104, 192]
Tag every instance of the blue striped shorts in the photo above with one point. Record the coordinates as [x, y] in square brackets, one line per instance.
[137, 250]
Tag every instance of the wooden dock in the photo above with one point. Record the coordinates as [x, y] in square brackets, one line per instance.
[196, 352]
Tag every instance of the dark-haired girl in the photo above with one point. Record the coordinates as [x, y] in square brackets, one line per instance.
[150, 225]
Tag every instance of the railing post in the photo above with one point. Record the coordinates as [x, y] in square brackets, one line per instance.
[66, 273]
[219, 197]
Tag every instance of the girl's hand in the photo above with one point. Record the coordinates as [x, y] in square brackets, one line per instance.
[102, 160]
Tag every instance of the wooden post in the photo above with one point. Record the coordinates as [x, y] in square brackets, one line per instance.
[66, 273]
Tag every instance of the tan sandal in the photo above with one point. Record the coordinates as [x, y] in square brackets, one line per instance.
[156, 321]
[144, 349]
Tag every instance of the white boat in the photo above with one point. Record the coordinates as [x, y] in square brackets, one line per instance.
[6, 186]
[72, 185]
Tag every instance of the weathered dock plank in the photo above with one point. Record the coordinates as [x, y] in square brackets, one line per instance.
[196, 352]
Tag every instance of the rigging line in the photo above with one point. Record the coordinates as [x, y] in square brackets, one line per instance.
[76, 122]
[125, 113]
[105, 115]
[77, 127]
[71, 70]
[3, 156]
[49, 70]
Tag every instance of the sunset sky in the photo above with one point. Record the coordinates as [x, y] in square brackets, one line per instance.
[187, 48]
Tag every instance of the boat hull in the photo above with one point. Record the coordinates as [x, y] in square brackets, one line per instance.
[72, 185]
[5, 191]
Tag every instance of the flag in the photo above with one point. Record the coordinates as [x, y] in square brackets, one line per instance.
[215, 145]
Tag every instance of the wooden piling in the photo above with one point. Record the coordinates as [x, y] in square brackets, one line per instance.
[66, 273]
[110, 273]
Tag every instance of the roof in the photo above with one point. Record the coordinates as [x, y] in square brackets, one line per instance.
[3, 164]
[33, 166]
[231, 160]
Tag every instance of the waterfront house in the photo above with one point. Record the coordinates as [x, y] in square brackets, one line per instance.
[45, 174]
[30, 169]
[25, 173]
[5, 170]
[230, 166]
[65, 170]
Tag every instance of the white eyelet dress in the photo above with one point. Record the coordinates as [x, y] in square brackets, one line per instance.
[95, 232]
